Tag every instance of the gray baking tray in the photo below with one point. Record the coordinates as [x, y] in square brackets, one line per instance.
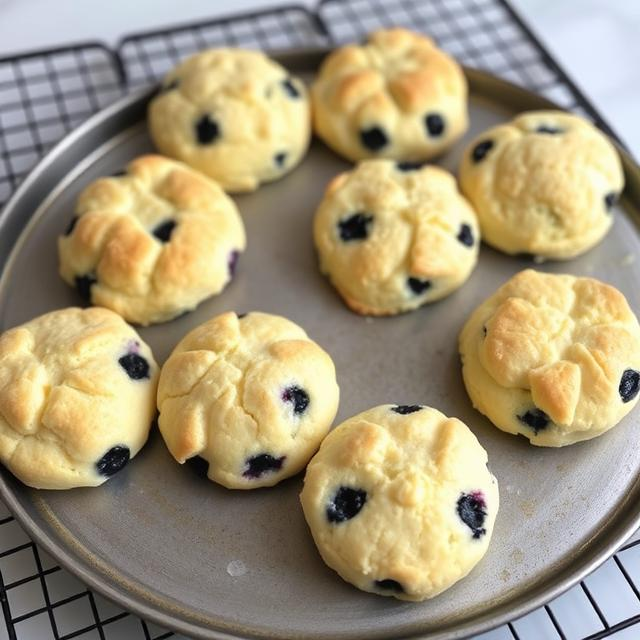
[212, 563]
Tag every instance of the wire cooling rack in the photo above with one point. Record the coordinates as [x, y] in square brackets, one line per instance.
[45, 94]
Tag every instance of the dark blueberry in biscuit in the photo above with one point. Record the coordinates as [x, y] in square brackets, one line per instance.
[84, 284]
[536, 419]
[543, 128]
[629, 385]
[434, 124]
[418, 286]
[346, 504]
[355, 227]
[232, 262]
[481, 149]
[409, 166]
[374, 138]
[298, 397]
[472, 510]
[242, 315]
[112, 461]
[610, 199]
[484, 332]
[198, 465]
[404, 409]
[71, 226]
[135, 365]
[465, 235]
[164, 230]
[257, 466]
[389, 585]
[207, 130]
[280, 158]
[290, 88]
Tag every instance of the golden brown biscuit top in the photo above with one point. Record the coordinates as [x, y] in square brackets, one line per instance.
[569, 340]
[395, 67]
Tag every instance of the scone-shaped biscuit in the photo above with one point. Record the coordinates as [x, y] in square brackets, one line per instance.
[392, 236]
[77, 391]
[153, 243]
[542, 184]
[236, 115]
[400, 501]
[397, 96]
[252, 395]
[552, 357]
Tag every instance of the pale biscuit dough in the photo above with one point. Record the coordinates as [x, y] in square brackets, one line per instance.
[153, 243]
[400, 501]
[397, 96]
[252, 395]
[77, 397]
[543, 184]
[393, 236]
[552, 357]
[235, 115]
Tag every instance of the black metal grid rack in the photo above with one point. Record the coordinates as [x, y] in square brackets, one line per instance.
[46, 94]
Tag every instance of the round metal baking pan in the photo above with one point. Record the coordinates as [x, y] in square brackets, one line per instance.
[158, 539]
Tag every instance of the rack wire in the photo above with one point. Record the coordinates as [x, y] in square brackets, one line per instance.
[45, 94]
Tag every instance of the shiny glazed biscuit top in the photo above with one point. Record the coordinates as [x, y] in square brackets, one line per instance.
[397, 96]
[152, 243]
[392, 236]
[552, 357]
[542, 184]
[77, 391]
[236, 115]
[251, 394]
[400, 501]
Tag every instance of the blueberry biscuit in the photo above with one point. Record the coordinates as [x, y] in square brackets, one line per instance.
[400, 501]
[543, 184]
[251, 394]
[392, 236]
[77, 391]
[397, 96]
[552, 357]
[235, 115]
[153, 243]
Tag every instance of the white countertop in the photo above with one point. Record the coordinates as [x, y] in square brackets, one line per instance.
[596, 40]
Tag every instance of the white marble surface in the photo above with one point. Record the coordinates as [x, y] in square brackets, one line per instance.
[596, 40]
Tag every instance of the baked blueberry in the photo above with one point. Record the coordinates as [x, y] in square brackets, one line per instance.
[389, 585]
[71, 226]
[346, 504]
[84, 284]
[112, 461]
[232, 262]
[280, 158]
[629, 385]
[207, 130]
[199, 466]
[298, 397]
[290, 88]
[434, 124]
[472, 510]
[535, 418]
[164, 230]
[355, 227]
[418, 286]
[610, 199]
[543, 128]
[135, 365]
[409, 166]
[404, 409]
[374, 138]
[465, 235]
[481, 149]
[257, 466]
